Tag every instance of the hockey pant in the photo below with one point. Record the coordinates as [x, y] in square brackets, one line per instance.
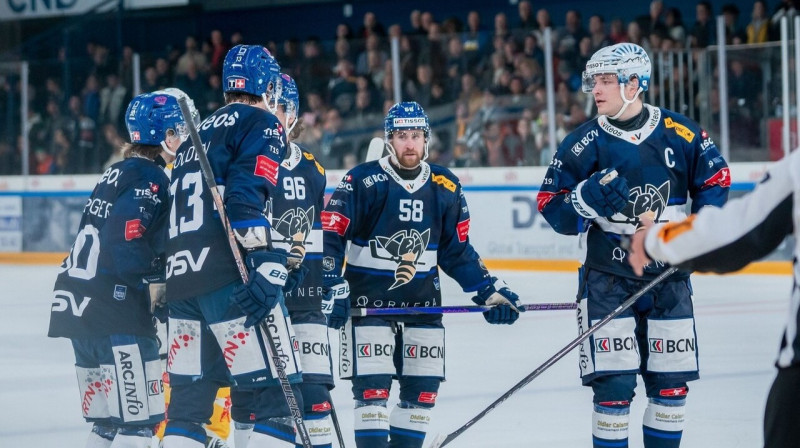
[655, 338]
[313, 393]
[119, 380]
[209, 347]
[373, 352]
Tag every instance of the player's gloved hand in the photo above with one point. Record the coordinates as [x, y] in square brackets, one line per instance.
[336, 301]
[601, 195]
[157, 293]
[264, 289]
[295, 278]
[504, 302]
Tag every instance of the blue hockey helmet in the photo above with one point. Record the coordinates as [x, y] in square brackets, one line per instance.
[178, 94]
[406, 115]
[252, 69]
[151, 115]
[290, 100]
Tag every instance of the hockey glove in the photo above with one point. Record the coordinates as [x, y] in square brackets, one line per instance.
[504, 302]
[264, 289]
[295, 278]
[601, 195]
[157, 293]
[336, 301]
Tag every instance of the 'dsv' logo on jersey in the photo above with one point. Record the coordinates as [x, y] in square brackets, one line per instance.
[404, 248]
[294, 227]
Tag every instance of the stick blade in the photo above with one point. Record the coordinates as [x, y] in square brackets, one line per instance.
[375, 150]
[438, 441]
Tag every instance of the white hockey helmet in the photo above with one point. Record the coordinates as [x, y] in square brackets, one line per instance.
[626, 60]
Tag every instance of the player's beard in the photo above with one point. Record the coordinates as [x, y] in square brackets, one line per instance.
[409, 159]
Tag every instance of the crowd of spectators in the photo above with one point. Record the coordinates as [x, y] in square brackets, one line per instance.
[481, 79]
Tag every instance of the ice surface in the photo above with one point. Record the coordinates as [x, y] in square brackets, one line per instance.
[739, 323]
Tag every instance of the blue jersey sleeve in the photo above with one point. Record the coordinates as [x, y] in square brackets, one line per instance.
[711, 178]
[566, 170]
[456, 256]
[136, 229]
[339, 221]
[252, 173]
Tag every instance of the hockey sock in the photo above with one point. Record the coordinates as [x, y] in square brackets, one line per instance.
[133, 438]
[241, 433]
[320, 430]
[276, 432]
[663, 423]
[408, 425]
[610, 426]
[179, 434]
[101, 436]
[371, 424]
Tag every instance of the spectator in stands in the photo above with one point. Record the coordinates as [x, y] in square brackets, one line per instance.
[125, 68]
[617, 31]
[431, 51]
[525, 21]
[635, 36]
[569, 36]
[475, 42]
[653, 22]
[703, 32]
[542, 22]
[341, 50]
[733, 33]
[675, 28]
[164, 72]
[372, 44]
[112, 145]
[421, 88]
[426, 20]
[315, 70]
[113, 100]
[415, 22]
[81, 133]
[212, 98]
[371, 26]
[150, 80]
[342, 89]
[597, 34]
[758, 28]
[532, 50]
[9, 160]
[501, 29]
[191, 55]
[219, 48]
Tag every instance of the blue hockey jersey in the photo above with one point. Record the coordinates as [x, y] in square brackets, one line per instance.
[245, 146]
[296, 226]
[400, 232]
[669, 160]
[99, 290]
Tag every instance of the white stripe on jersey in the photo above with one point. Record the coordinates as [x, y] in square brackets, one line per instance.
[362, 256]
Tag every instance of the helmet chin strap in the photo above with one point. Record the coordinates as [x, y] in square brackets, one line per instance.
[166, 148]
[625, 102]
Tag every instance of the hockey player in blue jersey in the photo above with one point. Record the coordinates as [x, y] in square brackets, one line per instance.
[404, 219]
[296, 228]
[214, 338]
[633, 159]
[100, 301]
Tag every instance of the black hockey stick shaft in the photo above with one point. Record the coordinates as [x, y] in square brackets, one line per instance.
[361, 312]
[274, 358]
[561, 353]
[336, 427]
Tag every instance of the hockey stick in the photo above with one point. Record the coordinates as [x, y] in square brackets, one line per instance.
[375, 150]
[440, 441]
[361, 312]
[274, 358]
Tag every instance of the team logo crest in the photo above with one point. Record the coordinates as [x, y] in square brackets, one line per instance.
[648, 199]
[295, 226]
[404, 248]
